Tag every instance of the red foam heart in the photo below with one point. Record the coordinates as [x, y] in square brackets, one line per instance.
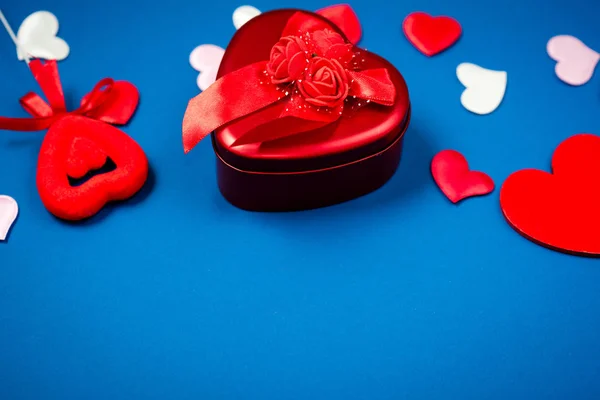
[431, 35]
[75, 136]
[84, 156]
[559, 210]
[451, 173]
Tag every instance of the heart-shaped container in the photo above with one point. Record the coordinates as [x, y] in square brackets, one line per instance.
[344, 160]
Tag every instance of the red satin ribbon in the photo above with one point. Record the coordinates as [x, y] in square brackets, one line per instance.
[247, 98]
[45, 114]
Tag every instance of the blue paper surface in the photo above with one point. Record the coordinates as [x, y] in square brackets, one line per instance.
[397, 295]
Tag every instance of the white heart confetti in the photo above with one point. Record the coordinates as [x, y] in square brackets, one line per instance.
[243, 14]
[8, 213]
[206, 59]
[485, 88]
[37, 36]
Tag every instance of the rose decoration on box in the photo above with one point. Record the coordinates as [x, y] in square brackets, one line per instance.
[80, 142]
[321, 80]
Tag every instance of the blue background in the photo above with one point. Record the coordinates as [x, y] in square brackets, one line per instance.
[397, 295]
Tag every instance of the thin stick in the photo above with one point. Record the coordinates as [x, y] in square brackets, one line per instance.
[14, 37]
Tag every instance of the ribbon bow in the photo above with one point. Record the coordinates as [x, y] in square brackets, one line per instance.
[312, 71]
[110, 101]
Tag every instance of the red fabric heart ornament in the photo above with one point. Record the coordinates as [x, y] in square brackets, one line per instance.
[80, 142]
[83, 145]
[559, 210]
[431, 35]
[451, 173]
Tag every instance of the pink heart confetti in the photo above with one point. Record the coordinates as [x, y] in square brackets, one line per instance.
[206, 59]
[575, 62]
[8, 213]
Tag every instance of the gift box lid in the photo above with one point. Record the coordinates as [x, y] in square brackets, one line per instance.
[364, 127]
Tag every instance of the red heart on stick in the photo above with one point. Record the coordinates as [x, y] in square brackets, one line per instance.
[559, 210]
[76, 145]
[431, 35]
[451, 173]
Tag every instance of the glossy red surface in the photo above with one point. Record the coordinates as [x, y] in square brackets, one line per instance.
[559, 210]
[362, 130]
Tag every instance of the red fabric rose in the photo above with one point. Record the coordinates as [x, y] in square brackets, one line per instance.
[331, 45]
[325, 83]
[288, 60]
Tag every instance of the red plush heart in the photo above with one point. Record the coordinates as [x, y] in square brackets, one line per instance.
[119, 106]
[451, 173]
[75, 145]
[431, 35]
[560, 210]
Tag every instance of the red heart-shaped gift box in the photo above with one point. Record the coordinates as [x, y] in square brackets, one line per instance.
[340, 161]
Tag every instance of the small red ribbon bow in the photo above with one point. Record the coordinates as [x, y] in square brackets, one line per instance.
[110, 101]
[310, 74]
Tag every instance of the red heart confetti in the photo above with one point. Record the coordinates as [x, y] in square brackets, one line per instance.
[559, 210]
[431, 35]
[451, 173]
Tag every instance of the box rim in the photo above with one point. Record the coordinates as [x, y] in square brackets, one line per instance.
[293, 171]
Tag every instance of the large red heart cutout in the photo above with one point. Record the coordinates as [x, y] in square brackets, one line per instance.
[431, 35]
[77, 145]
[559, 210]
